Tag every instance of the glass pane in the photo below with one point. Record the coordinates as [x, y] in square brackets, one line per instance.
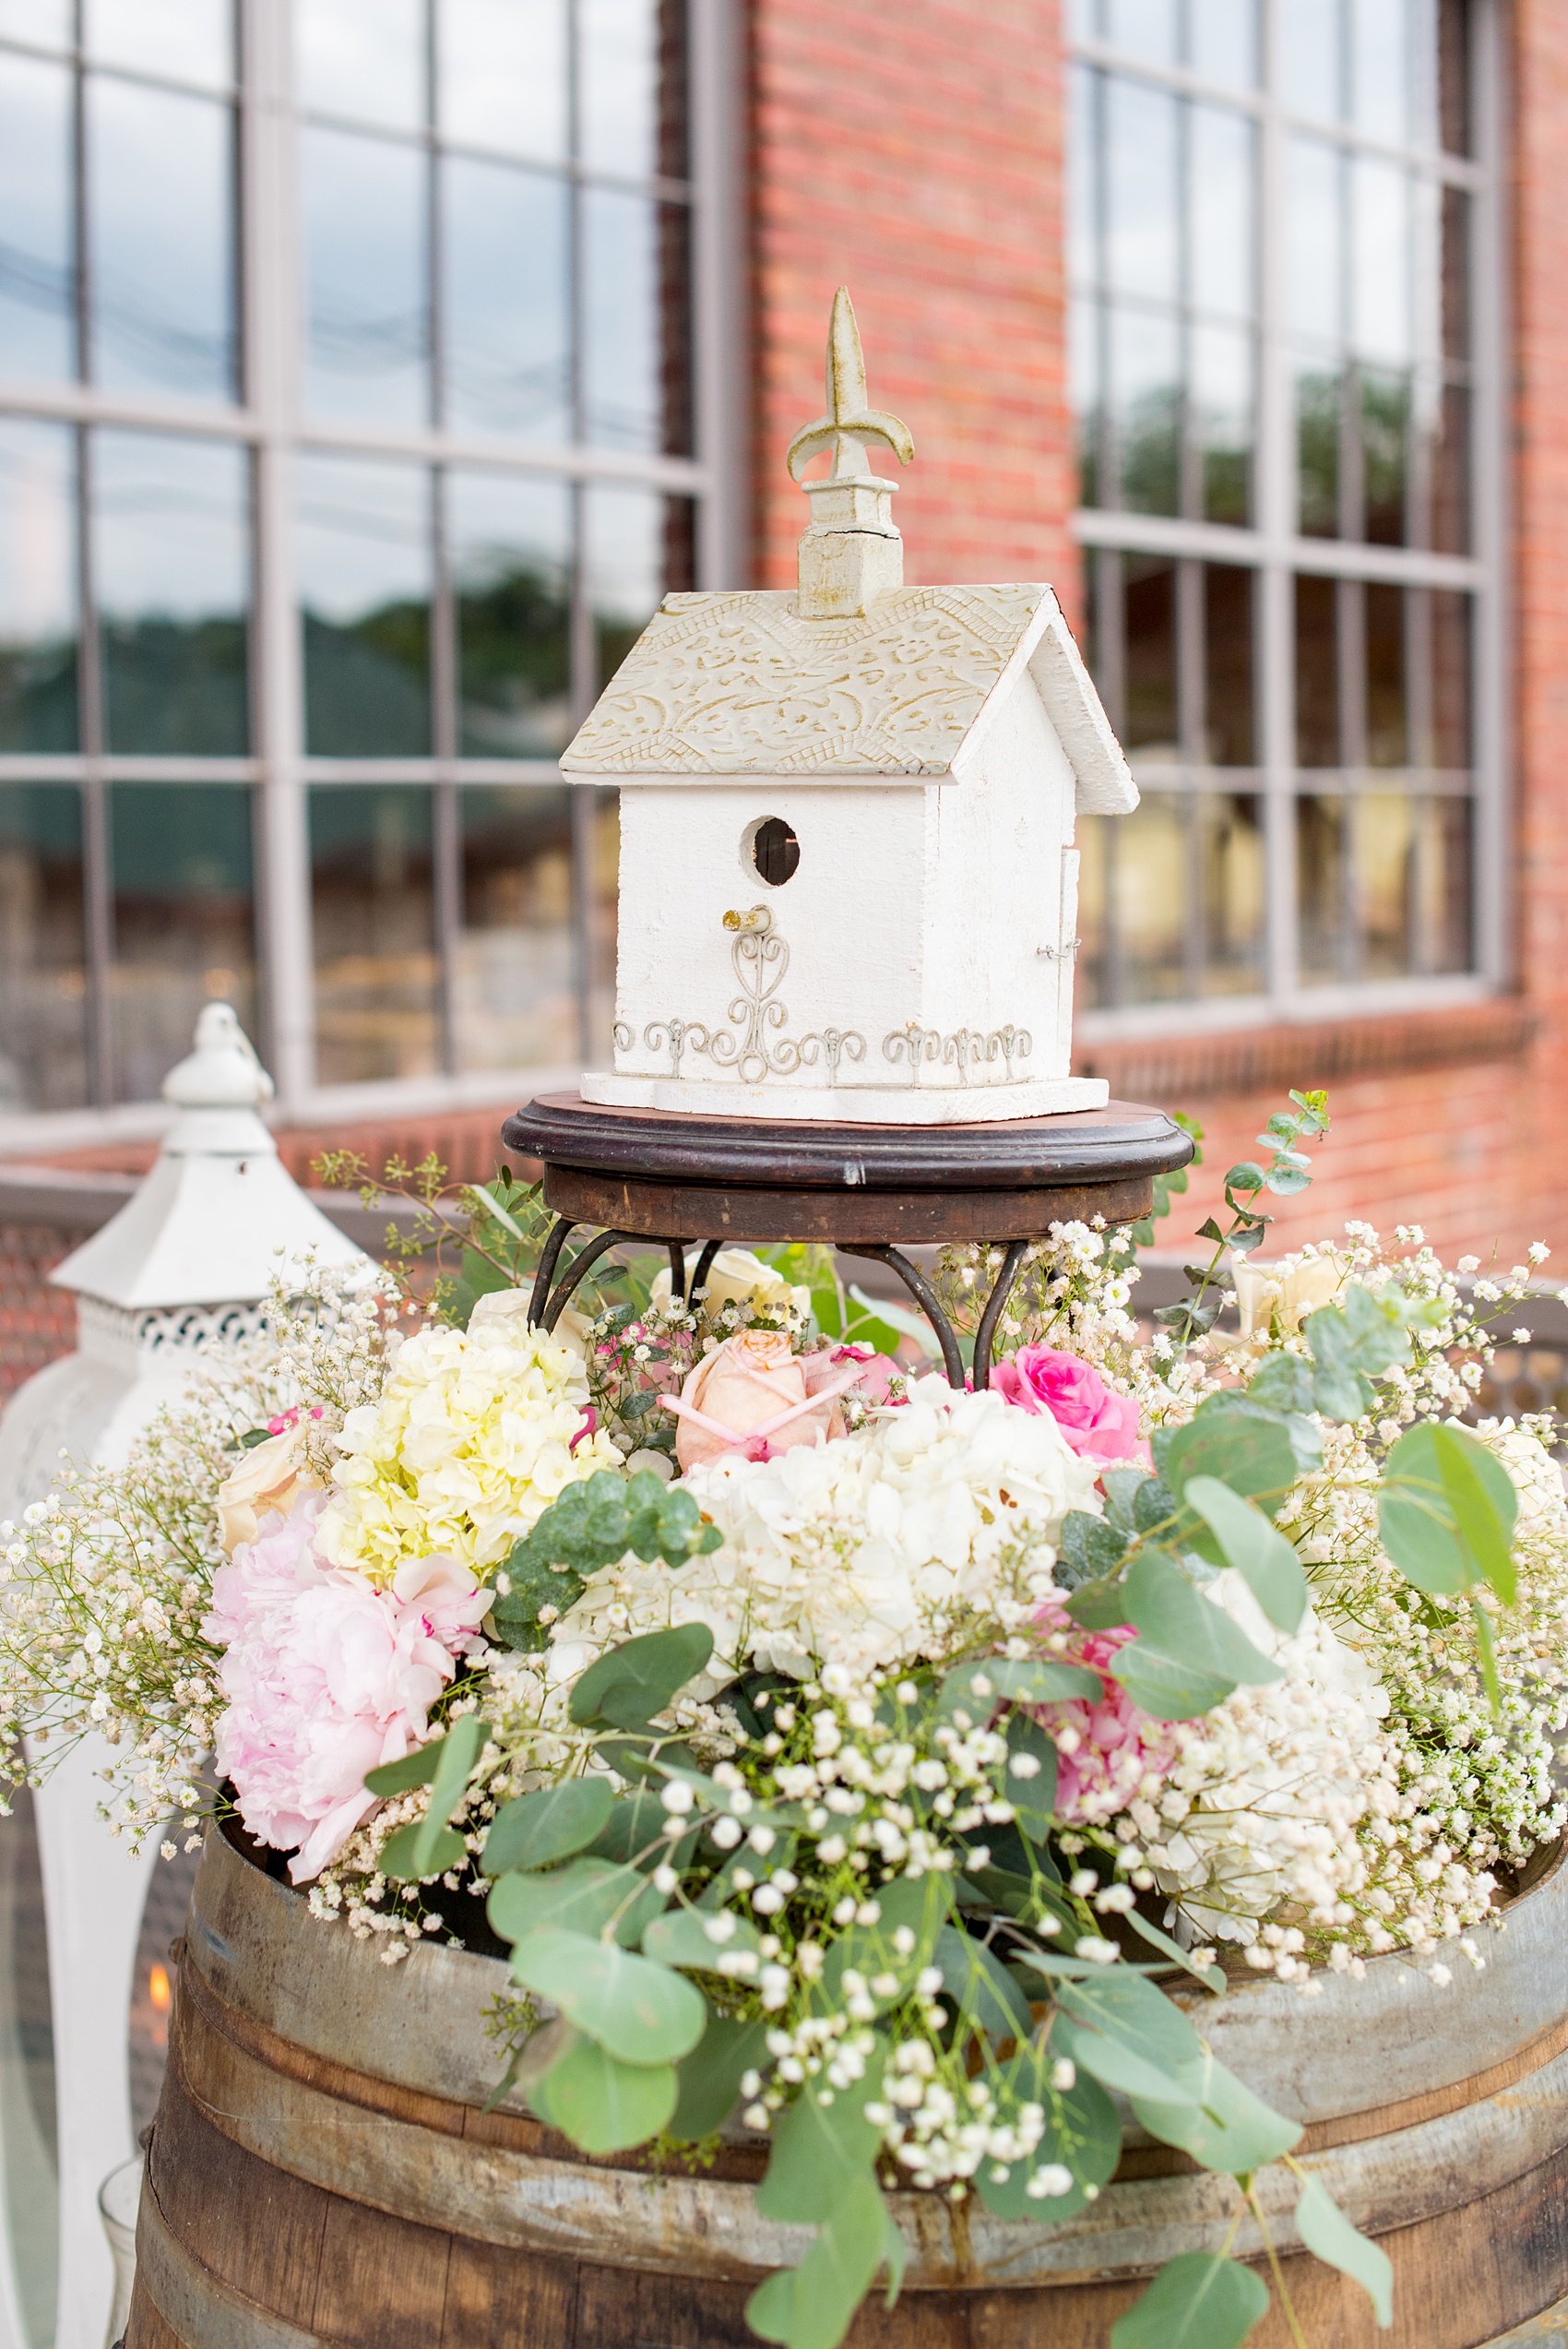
[1317, 673]
[38, 280]
[1455, 265]
[1094, 982]
[185, 921]
[1385, 429]
[47, 24]
[1143, 28]
[1409, 908]
[1149, 588]
[1231, 851]
[511, 567]
[1228, 666]
[27, 2125]
[1222, 41]
[1307, 62]
[1222, 421]
[372, 916]
[37, 599]
[1323, 882]
[1224, 204]
[1144, 370]
[365, 568]
[1451, 615]
[1453, 76]
[1152, 897]
[1379, 69]
[1317, 450]
[1083, 393]
[1385, 882]
[506, 341]
[161, 199]
[1388, 734]
[501, 75]
[634, 301]
[1380, 252]
[364, 58]
[514, 992]
[42, 965]
[1445, 932]
[171, 564]
[1314, 255]
[1083, 222]
[1445, 459]
[186, 39]
[632, 77]
[1141, 189]
[365, 255]
[1082, 20]
[638, 548]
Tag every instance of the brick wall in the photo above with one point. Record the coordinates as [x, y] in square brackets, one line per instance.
[914, 155]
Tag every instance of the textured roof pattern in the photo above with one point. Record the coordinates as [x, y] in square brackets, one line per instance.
[740, 685]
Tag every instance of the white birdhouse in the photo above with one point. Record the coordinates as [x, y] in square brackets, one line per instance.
[849, 886]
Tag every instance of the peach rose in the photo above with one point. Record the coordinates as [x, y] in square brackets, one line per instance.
[749, 1395]
[270, 1476]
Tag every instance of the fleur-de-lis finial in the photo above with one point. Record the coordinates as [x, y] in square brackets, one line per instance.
[850, 423]
[851, 551]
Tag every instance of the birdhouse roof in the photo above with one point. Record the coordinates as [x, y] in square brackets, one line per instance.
[742, 685]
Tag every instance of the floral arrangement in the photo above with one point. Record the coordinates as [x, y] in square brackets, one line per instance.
[844, 1757]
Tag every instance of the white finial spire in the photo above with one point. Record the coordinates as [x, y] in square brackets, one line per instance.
[851, 551]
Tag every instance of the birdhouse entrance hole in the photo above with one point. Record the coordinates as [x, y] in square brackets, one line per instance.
[771, 850]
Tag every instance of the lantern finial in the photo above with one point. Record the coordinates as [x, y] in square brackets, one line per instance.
[851, 551]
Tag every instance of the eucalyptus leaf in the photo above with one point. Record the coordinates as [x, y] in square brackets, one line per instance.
[1218, 2121]
[1445, 1512]
[1243, 1446]
[601, 2103]
[1326, 2231]
[985, 1995]
[980, 1687]
[680, 1937]
[1212, 1977]
[642, 1675]
[412, 1855]
[1083, 2135]
[548, 1825]
[1199, 2300]
[1188, 1656]
[586, 1896]
[820, 2148]
[1128, 2007]
[1254, 1547]
[429, 1847]
[1031, 1792]
[1120, 2066]
[711, 2076]
[811, 2307]
[641, 2012]
[916, 1904]
[415, 1770]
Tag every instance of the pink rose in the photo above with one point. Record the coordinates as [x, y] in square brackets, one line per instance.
[874, 1373]
[749, 1395]
[327, 1677]
[1109, 1753]
[1096, 1422]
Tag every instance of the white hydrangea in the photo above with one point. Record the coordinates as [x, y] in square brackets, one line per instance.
[870, 1549]
[474, 1433]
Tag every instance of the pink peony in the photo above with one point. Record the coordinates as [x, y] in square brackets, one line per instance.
[327, 1677]
[1109, 1753]
[1096, 1422]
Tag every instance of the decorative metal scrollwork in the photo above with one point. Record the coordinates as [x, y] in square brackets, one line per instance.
[834, 1044]
[676, 1037]
[919, 1044]
[760, 958]
[965, 1049]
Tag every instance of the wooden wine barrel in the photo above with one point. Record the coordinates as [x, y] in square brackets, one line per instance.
[321, 2170]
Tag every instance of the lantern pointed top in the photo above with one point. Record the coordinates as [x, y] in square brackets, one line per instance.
[851, 551]
[850, 423]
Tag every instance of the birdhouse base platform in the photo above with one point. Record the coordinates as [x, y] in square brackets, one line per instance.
[676, 1181]
[892, 1105]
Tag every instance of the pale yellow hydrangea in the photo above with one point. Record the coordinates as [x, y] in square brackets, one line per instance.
[471, 1439]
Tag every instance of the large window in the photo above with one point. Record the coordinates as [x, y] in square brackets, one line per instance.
[1283, 252]
[345, 439]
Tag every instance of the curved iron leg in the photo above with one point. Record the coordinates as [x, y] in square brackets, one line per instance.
[705, 1266]
[582, 1264]
[995, 1304]
[677, 1272]
[545, 1272]
[924, 1296]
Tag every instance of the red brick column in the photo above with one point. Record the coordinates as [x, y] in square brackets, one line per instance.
[914, 154]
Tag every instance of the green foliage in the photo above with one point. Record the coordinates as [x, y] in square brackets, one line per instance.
[1326, 2231]
[638, 2011]
[593, 1524]
[547, 1825]
[1255, 1548]
[711, 2076]
[986, 1997]
[1188, 1656]
[918, 1903]
[810, 2306]
[602, 2104]
[977, 1688]
[1215, 2119]
[680, 1937]
[587, 1896]
[1352, 1343]
[1199, 2300]
[1083, 2134]
[629, 1684]
[429, 1847]
[1034, 1797]
[1288, 1171]
[1445, 1513]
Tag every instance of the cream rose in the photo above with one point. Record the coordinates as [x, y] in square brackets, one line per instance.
[271, 1477]
[1289, 1291]
[751, 1395]
[737, 1276]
